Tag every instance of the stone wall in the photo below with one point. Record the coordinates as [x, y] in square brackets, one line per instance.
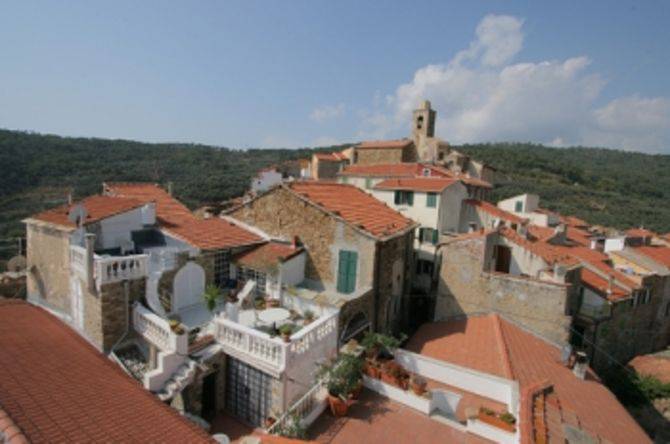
[48, 266]
[327, 169]
[395, 270]
[372, 156]
[464, 288]
[192, 395]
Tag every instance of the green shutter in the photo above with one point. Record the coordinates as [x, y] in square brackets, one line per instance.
[368, 183]
[431, 200]
[436, 237]
[342, 272]
[410, 198]
[346, 271]
[396, 197]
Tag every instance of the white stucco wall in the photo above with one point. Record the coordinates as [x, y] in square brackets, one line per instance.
[292, 271]
[265, 179]
[115, 230]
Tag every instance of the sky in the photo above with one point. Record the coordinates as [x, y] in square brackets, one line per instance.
[310, 73]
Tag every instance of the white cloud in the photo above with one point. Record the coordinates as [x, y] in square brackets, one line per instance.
[327, 112]
[481, 95]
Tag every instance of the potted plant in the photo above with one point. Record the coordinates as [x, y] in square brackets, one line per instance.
[286, 331]
[394, 374]
[309, 317]
[272, 303]
[418, 384]
[379, 346]
[505, 421]
[211, 296]
[371, 368]
[259, 303]
[343, 381]
[269, 422]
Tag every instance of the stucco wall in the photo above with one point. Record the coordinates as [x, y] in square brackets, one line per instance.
[48, 266]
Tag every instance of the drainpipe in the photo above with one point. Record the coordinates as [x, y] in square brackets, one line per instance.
[89, 243]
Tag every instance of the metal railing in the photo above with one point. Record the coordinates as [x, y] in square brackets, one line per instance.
[302, 409]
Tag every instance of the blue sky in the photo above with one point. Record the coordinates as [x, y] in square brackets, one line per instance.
[303, 73]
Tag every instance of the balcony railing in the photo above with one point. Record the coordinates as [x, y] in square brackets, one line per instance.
[272, 354]
[595, 311]
[157, 331]
[119, 268]
[306, 409]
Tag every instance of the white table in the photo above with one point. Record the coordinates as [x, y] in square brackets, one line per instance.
[273, 315]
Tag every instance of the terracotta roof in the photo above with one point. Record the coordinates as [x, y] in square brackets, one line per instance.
[639, 232]
[533, 362]
[331, 157]
[175, 218]
[601, 262]
[267, 256]
[384, 144]
[405, 169]
[656, 365]
[354, 206]
[213, 233]
[97, 208]
[574, 221]
[601, 285]
[57, 388]
[425, 184]
[550, 253]
[168, 209]
[494, 210]
[658, 254]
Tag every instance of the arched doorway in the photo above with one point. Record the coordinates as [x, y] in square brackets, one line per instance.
[358, 324]
[188, 286]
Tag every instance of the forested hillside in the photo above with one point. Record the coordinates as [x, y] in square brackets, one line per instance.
[608, 187]
[37, 171]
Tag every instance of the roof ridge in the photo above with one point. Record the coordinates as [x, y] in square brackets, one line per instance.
[507, 365]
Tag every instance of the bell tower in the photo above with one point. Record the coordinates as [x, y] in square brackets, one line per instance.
[423, 122]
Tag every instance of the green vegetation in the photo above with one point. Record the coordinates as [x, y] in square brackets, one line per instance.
[633, 389]
[608, 187]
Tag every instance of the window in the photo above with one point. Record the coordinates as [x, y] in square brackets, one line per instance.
[368, 183]
[404, 198]
[518, 206]
[244, 274]
[426, 172]
[428, 235]
[346, 271]
[221, 268]
[431, 200]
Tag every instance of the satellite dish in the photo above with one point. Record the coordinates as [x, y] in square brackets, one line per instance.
[77, 215]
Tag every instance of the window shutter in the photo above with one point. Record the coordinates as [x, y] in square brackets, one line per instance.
[431, 200]
[351, 271]
[410, 198]
[436, 237]
[396, 197]
[342, 272]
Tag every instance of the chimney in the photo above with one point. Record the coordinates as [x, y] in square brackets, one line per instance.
[89, 243]
[566, 355]
[169, 188]
[610, 284]
[581, 363]
[295, 243]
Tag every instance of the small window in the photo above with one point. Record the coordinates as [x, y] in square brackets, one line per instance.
[404, 198]
[368, 183]
[428, 236]
[518, 206]
[431, 200]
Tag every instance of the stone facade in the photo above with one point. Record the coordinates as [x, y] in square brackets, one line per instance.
[48, 266]
[281, 213]
[166, 281]
[466, 288]
[192, 395]
[375, 156]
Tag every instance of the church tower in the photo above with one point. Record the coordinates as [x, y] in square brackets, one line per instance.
[423, 132]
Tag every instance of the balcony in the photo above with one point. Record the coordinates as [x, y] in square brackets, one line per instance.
[108, 269]
[270, 353]
[156, 331]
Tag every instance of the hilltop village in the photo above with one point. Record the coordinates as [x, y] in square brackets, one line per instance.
[374, 293]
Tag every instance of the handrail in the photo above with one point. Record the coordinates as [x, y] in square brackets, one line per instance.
[157, 331]
[118, 268]
[302, 407]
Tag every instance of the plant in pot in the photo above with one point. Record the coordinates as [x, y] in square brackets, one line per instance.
[343, 380]
[417, 384]
[272, 303]
[380, 347]
[394, 374]
[505, 421]
[286, 331]
[211, 296]
[259, 303]
[308, 316]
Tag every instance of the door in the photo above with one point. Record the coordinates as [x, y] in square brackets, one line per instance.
[503, 258]
[209, 396]
[247, 392]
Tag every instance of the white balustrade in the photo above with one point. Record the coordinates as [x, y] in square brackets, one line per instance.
[78, 262]
[157, 331]
[321, 331]
[252, 346]
[119, 268]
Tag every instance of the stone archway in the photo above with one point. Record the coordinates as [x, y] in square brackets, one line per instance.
[357, 324]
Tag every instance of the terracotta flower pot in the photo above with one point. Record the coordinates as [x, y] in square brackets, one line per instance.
[338, 406]
[419, 388]
[272, 303]
[403, 382]
[388, 378]
[496, 422]
[356, 392]
[269, 422]
[286, 337]
[372, 370]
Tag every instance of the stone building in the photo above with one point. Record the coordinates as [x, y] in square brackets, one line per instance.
[359, 251]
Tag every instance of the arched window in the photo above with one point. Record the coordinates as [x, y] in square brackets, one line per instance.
[356, 325]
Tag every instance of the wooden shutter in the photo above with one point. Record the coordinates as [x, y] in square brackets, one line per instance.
[396, 197]
[436, 237]
[342, 272]
[431, 200]
[351, 271]
[346, 271]
[410, 198]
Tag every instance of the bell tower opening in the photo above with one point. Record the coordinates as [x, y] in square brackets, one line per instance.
[424, 121]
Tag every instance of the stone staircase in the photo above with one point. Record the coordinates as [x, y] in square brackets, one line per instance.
[182, 377]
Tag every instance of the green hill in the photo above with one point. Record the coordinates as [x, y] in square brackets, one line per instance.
[37, 171]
